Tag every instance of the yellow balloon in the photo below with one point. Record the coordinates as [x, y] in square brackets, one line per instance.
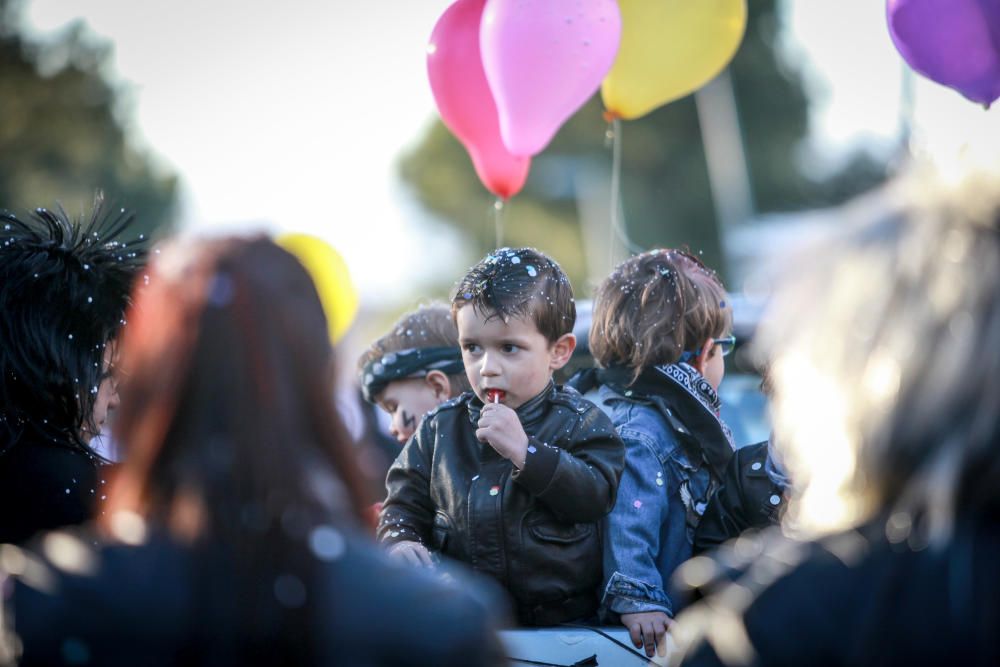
[330, 275]
[670, 48]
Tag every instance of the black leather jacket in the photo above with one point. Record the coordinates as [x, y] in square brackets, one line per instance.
[746, 499]
[535, 530]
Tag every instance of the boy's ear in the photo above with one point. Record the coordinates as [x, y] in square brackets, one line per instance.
[700, 362]
[439, 384]
[561, 351]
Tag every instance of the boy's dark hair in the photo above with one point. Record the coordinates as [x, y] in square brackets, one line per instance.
[654, 307]
[519, 282]
[429, 326]
[64, 289]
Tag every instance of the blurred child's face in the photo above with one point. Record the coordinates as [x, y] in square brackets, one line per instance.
[407, 401]
[514, 356]
[107, 394]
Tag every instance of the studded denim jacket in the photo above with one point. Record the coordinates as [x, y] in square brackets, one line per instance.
[664, 491]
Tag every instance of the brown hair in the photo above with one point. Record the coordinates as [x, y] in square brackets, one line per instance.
[232, 439]
[430, 325]
[519, 282]
[655, 306]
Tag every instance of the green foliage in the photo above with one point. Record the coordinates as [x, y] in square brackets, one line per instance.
[665, 185]
[62, 131]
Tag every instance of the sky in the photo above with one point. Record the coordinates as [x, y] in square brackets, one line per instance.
[292, 116]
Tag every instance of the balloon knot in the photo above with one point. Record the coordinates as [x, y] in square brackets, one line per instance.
[610, 116]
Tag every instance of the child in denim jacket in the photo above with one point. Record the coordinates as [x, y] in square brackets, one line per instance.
[660, 329]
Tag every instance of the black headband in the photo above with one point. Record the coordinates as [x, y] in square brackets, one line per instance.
[413, 363]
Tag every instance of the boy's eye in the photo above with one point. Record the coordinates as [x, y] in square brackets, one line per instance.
[510, 347]
[471, 347]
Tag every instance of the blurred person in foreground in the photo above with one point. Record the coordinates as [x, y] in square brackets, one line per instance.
[233, 530]
[886, 392]
[64, 288]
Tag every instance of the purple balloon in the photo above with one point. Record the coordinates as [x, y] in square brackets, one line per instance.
[953, 42]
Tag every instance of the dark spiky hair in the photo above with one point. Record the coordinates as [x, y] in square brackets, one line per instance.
[64, 287]
[519, 282]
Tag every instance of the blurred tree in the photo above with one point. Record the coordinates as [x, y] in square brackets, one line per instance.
[666, 196]
[63, 130]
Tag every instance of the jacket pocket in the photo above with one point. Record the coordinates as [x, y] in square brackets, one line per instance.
[548, 529]
[440, 531]
[559, 559]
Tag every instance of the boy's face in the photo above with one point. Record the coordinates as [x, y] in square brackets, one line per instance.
[710, 363]
[407, 401]
[715, 367]
[512, 356]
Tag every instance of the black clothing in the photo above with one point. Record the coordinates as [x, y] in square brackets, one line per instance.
[857, 599]
[46, 485]
[536, 530]
[164, 604]
[747, 498]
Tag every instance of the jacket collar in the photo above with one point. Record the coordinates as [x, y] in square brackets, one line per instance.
[682, 393]
[530, 412]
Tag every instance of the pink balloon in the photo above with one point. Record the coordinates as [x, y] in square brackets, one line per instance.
[544, 59]
[464, 100]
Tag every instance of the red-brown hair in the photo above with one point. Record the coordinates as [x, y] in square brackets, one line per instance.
[228, 396]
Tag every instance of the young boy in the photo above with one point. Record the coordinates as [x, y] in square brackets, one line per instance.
[413, 368]
[660, 330]
[513, 477]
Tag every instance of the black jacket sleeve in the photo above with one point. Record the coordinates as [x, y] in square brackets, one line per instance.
[725, 517]
[408, 511]
[577, 480]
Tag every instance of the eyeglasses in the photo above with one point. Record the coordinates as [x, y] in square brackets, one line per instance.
[728, 344]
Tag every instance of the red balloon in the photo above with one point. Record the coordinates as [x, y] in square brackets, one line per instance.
[464, 100]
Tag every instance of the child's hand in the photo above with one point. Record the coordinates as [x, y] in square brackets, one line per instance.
[648, 628]
[412, 553]
[501, 428]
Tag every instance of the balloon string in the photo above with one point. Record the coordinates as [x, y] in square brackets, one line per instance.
[614, 130]
[498, 213]
[618, 233]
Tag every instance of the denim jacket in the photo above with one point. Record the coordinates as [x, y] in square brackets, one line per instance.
[665, 487]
